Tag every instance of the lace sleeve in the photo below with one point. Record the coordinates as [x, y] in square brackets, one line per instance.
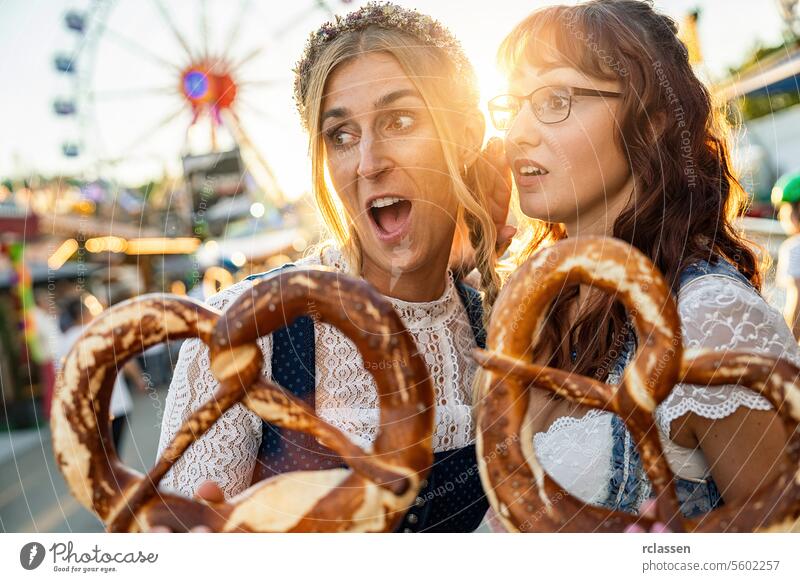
[226, 453]
[719, 313]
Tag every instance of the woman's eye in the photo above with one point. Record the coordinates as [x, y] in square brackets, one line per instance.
[342, 138]
[401, 122]
[557, 102]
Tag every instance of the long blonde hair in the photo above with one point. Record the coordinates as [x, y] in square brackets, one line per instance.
[446, 91]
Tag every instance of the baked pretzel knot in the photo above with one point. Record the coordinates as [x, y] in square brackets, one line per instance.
[522, 494]
[372, 494]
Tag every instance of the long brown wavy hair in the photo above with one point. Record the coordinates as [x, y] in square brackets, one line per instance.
[675, 140]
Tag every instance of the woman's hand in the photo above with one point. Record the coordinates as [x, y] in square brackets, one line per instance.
[209, 491]
[494, 177]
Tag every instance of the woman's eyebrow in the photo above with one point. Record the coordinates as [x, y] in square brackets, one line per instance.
[390, 98]
[381, 103]
[549, 74]
[335, 112]
[551, 66]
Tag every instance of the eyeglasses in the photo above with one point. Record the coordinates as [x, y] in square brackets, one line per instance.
[549, 104]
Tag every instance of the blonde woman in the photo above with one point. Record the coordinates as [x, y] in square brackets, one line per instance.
[389, 102]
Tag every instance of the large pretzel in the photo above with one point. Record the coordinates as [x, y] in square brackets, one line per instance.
[371, 495]
[522, 494]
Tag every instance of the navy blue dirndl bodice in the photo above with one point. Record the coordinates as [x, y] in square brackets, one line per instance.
[451, 499]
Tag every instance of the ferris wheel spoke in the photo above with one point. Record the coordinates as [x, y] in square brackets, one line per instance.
[135, 93]
[263, 83]
[252, 55]
[138, 49]
[259, 112]
[324, 6]
[233, 34]
[299, 18]
[151, 131]
[167, 18]
[287, 27]
[204, 28]
[259, 168]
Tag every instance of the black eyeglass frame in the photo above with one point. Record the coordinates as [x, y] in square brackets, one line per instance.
[573, 92]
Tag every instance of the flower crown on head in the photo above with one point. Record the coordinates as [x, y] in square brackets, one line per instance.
[382, 15]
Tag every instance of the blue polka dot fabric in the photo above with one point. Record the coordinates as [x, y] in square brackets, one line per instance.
[452, 500]
[293, 368]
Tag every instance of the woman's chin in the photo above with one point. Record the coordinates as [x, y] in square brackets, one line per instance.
[418, 251]
[398, 260]
[535, 206]
[401, 261]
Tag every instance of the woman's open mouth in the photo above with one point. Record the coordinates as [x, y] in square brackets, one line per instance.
[390, 217]
[529, 173]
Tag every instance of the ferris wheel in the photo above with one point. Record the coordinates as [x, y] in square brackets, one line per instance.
[151, 81]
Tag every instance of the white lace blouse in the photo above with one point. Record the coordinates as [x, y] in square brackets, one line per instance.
[717, 313]
[345, 396]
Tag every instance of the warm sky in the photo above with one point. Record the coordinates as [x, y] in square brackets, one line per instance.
[32, 32]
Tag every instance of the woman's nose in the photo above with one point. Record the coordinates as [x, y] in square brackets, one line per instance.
[525, 130]
[373, 161]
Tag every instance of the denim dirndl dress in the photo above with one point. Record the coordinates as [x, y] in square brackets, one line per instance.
[629, 485]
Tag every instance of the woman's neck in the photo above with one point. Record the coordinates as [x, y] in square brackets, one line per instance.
[423, 284]
[599, 219]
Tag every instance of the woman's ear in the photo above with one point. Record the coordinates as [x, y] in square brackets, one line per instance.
[473, 132]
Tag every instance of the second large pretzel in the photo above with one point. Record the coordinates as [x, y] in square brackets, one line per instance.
[523, 495]
[371, 495]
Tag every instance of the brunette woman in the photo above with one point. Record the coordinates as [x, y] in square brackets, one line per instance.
[610, 132]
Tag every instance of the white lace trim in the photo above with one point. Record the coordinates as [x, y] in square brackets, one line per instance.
[720, 313]
[345, 395]
[226, 453]
[432, 315]
[453, 424]
[729, 399]
[568, 422]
